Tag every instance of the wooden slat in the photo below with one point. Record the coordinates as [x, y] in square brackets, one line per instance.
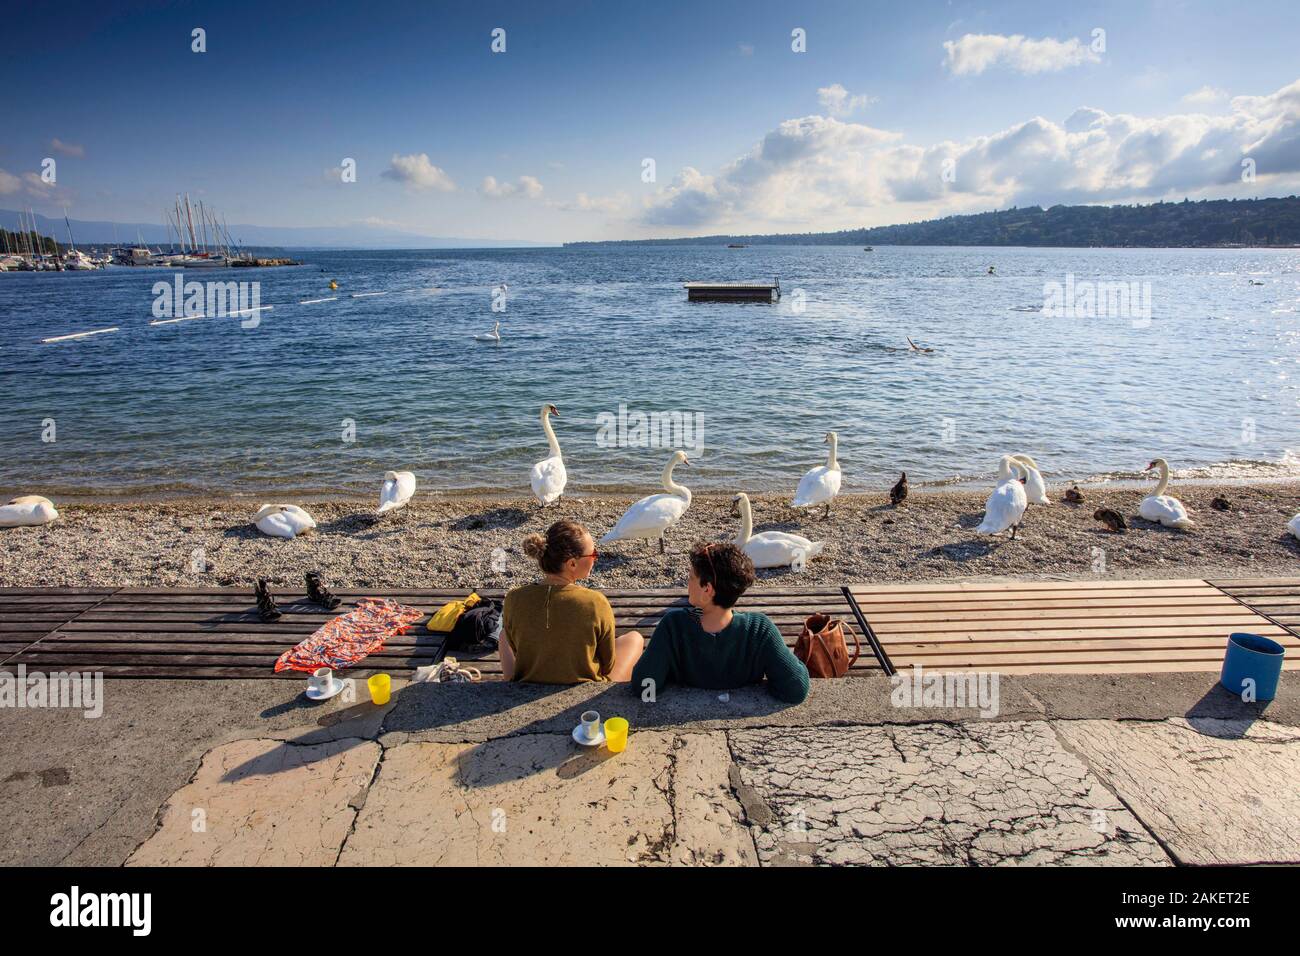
[976, 587]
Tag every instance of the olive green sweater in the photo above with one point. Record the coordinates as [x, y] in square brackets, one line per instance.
[744, 652]
[559, 635]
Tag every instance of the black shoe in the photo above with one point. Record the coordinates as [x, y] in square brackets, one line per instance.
[266, 608]
[318, 593]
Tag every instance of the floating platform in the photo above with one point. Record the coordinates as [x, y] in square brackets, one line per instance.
[733, 291]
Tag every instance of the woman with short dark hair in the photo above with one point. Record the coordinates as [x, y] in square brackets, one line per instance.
[713, 646]
[557, 631]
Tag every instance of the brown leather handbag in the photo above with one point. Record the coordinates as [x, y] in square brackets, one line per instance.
[822, 648]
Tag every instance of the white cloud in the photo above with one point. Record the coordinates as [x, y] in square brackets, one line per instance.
[976, 52]
[416, 172]
[837, 101]
[527, 187]
[9, 183]
[746, 49]
[585, 203]
[1206, 96]
[822, 173]
[67, 149]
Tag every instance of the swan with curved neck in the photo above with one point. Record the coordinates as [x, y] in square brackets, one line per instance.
[821, 484]
[493, 336]
[548, 476]
[1160, 507]
[653, 515]
[772, 549]
[1006, 505]
[1035, 487]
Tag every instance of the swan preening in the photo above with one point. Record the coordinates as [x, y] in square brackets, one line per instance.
[27, 511]
[1006, 505]
[493, 336]
[1158, 506]
[1035, 487]
[653, 515]
[772, 549]
[820, 485]
[396, 491]
[548, 476]
[283, 521]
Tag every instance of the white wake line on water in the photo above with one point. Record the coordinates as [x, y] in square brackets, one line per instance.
[190, 318]
[80, 335]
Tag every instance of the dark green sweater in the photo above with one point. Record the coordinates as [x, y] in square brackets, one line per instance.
[744, 652]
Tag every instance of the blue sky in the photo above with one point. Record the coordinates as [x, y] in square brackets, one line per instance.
[746, 134]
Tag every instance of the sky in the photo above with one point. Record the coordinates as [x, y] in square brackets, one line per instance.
[624, 120]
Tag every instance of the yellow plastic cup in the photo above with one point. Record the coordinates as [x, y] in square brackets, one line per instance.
[381, 686]
[616, 734]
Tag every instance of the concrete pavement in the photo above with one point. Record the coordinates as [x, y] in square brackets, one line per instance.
[1072, 769]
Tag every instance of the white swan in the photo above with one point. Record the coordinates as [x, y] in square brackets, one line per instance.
[548, 476]
[1006, 505]
[283, 521]
[1035, 487]
[820, 485]
[1294, 526]
[1158, 506]
[27, 511]
[396, 491]
[772, 549]
[493, 336]
[653, 515]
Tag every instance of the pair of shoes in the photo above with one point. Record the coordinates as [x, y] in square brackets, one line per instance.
[317, 593]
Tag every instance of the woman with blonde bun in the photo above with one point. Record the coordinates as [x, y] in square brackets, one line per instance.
[556, 631]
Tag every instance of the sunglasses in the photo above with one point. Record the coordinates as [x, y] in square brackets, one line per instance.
[713, 572]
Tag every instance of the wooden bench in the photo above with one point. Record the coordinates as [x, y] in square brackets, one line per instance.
[216, 633]
[1127, 627]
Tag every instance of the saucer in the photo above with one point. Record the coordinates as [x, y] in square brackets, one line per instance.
[335, 687]
[579, 738]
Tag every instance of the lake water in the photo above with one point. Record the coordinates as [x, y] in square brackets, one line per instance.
[1209, 381]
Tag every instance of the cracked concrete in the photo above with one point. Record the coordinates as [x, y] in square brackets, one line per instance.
[263, 803]
[1212, 791]
[986, 794]
[1178, 768]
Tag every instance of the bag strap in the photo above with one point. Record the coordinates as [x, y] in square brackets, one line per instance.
[857, 645]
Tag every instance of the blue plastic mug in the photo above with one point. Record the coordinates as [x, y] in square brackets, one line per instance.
[1252, 658]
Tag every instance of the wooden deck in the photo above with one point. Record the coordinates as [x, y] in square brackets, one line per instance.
[216, 633]
[1123, 627]
[1037, 627]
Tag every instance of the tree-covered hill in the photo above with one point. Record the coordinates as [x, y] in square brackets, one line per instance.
[1213, 222]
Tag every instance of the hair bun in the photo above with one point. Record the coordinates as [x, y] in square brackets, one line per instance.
[534, 546]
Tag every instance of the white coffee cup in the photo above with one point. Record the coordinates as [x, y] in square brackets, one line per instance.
[321, 681]
[590, 724]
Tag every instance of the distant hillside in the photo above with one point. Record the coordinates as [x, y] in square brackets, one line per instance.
[1213, 222]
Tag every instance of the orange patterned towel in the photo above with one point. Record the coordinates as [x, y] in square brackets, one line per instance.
[348, 638]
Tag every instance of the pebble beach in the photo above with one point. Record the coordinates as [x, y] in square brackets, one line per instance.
[448, 541]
